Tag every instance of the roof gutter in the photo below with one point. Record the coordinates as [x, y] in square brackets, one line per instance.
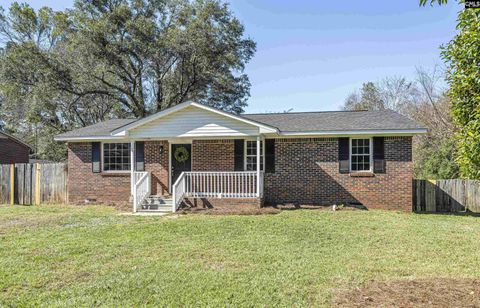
[393, 132]
[87, 138]
[387, 132]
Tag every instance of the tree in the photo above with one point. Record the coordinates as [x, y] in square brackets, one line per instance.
[369, 98]
[397, 93]
[435, 157]
[463, 76]
[432, 2]
[151, 55]
[107, 59]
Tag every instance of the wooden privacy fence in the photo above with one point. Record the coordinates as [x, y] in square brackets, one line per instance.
[33, 183]
[446, 196]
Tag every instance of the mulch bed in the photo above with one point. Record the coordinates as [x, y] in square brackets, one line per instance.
[440, 292]
[230, 210]
[290, 206]
[249, 210]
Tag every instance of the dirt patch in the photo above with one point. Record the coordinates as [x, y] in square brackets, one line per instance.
[413, 293]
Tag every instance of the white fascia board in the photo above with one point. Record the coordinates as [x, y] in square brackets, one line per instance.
[391, 132]
[88, 138]
[123, 131]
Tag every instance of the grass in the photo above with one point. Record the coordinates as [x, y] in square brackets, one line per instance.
[89, 256]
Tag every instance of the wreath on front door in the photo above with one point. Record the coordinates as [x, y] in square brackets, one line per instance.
[181, 154]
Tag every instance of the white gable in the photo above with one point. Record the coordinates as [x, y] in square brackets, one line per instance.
[193, 122]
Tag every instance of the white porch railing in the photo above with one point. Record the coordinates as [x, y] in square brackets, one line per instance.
[216, 185]
[178, 192]
[141, 189]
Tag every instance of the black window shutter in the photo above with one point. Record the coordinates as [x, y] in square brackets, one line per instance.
[96, 157]
[379, 154]
[270, 155]
[239, 150]
[344, 155]
[139, 156]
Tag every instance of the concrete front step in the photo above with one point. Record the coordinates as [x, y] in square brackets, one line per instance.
[157, 200]
[169, 210]
[156, 207]
[156, 204]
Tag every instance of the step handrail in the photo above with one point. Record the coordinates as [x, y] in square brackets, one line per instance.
[142, 189]
[178, 192]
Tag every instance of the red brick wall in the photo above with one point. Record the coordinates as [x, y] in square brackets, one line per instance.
[307, 172]
[107, 188]
[213, 155]
[12, 152]
[112, 188]
[157, 164]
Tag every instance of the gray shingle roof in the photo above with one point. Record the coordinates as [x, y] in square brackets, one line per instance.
[101, 129]
[288, 122]
[335, 121]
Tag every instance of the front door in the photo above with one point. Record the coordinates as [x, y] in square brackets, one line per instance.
[181, 160]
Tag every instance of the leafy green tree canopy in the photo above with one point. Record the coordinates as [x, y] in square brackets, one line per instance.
[432, 2]
[104, 59]
[462, 56]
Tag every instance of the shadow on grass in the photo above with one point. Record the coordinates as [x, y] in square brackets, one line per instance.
[467, 213]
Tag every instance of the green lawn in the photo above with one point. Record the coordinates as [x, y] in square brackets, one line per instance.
[88, 256]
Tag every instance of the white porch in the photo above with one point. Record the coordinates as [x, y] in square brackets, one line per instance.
[197, 185]
[186, 123]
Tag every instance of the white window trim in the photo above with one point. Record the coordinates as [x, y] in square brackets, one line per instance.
[102, 161]
[370, 143]
[245, 153]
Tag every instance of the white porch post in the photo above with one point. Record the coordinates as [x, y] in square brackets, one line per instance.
[258, 166]
[132, 174]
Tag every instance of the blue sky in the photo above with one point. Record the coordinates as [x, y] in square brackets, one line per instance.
[312, 54]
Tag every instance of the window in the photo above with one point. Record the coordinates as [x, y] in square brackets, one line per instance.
[360, 157]
[116, 157]
[251, 155]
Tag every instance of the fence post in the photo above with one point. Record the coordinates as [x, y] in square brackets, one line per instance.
[37, 184]
[12, 184]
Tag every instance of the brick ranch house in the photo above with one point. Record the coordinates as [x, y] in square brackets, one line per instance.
[13, 150]
[195, 155]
